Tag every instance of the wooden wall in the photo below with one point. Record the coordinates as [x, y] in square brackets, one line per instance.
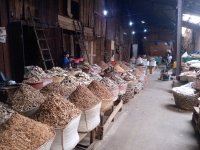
[5, 61]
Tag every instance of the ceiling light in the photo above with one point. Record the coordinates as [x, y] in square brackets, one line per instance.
[133, 32]
[105, 12]
[130, 23]
[143, 21]
[145, 30]
[125, 33]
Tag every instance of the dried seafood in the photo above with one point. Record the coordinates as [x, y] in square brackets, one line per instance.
[83, 98]
[96, 67]
[57, 111]
[37, 72]
[119, 81]
[99, 90]
[83, 78]
[71, 82]
[137, 72]
[5, 113]
[95, 76]
[118, 68]
[110, 70]
[125, 67]
[21, 133]
[109, 83]
[56, 88]
[128, 76]
[103, 65]
[26, 98]
[57, 71]
[86, 67]
[33, 80]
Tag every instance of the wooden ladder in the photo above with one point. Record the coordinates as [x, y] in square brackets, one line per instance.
[79, 30]
[43, 45]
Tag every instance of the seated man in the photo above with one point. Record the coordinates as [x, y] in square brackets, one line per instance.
[164, 72]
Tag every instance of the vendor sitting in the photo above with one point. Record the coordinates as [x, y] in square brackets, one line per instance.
[163, 73]
[67, 60]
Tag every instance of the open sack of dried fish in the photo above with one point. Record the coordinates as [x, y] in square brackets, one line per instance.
[71, 82]
[56, 88]
[121, 83]
[110, 71]
[119, 68]
[96, 68]
[103, 65]
[85, 100]
[22, 133]
[111, 86]
[136, 72]
[83, 78]
[57, 71]
[95, 76]
[64, 117]
[128, 76]
[99, 90]
[26, 99]
[37, 72]
[5, 113]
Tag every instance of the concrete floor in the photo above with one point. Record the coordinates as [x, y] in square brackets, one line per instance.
[151, 121]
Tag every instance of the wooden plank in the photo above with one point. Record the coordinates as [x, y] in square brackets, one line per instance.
[82, 135]
[117, 108]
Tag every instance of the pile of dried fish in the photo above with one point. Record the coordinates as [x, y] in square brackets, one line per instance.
[5, 113]
[103, 65]
[22, 133]
[109, 83]
[26, 98]
[57, 71]
[83, 78]
[37, 72]
[119, 81]
[96, 67]
[83, 98]
[71, 82]
[123, 66]
[33, 80]
[57, 111]
[110, 70]
[95, 76]
[128, 76]
[56, 88]
[137, 72]
[99, 90]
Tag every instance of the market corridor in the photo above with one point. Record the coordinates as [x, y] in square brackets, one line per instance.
[151, 121]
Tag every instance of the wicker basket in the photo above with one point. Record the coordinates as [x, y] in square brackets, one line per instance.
[185, 101]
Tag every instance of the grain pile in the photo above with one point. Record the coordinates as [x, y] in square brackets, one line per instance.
[37, 72]
[119, 81]
[21, 133]
[83, 98]
[57, 71]
[26, 98]
[57, 111]
[109, 83]
[99, 90]
[128, 76]
[56, 88]
[33, 80]
[95, 76]
[5, 113]
[103, 65]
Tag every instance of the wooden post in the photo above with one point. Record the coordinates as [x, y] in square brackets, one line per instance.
[179, 37]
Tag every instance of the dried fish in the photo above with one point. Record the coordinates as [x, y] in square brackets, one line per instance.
[57, 71]
[109, 83]
[119, 81]
[5, 113]
[26, 98]
[83, 98]
[22, 133]
[37, 72]
[57, 111]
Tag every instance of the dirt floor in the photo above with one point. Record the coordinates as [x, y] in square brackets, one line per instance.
[151, 121]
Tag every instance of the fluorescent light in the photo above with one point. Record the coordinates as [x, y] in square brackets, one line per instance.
[145, 30]
[133, 32]
[130, 23]
[143, 21]
[105, 12]
[125, 33]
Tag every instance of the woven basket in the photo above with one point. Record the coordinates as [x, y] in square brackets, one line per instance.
[106, 105]
[185, 101]
[129, 93]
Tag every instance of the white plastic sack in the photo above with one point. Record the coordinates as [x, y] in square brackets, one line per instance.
[184, 55]
[185, 89]
[139, 61]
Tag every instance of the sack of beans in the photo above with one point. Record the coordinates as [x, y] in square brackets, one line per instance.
[90, 105]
